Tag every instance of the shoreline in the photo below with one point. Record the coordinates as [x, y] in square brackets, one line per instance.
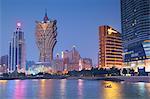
[108, 78]
[117, 78]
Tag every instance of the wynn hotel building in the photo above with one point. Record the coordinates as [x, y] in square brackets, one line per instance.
[110, 48]
[46, 38]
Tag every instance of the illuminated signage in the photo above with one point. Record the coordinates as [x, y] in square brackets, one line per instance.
[110, 31]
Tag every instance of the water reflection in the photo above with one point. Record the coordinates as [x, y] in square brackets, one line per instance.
[19, 91]
[113, 91]
[63, 88]
[72, 89]
[141, 88]
[42, 87]
[147, 86]
[45, 89]
[3, 81]
[80, 88]
[3, 84]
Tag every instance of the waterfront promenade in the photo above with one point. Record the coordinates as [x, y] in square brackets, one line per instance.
[117, 78]
[107, 78]
[132, 78]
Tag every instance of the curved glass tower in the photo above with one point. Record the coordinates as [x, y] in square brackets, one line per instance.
[17, 50]
[135, 20]
[46, 38]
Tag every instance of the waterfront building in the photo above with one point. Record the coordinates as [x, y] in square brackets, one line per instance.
[135, 21]
[110, 48]
[58, 64]
[46, 38]
[40, 68]
[3, 64]
[85, 63]
[17, 51]
[71, 59]
[4, 60]
[29, 64]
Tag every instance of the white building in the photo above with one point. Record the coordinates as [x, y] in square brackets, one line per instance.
[17, 51]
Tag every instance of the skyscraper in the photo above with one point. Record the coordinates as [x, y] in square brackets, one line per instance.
[46, 38]
[110, 48]
[85, 63]
[135, 21]
[3, 64]
[17, 50]
[71, 59]
[4, 60]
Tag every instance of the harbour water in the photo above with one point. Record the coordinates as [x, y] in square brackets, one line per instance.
[72, 89]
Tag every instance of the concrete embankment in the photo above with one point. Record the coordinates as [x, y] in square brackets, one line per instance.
[117, 78]
[108, 78]
[33, 77]
[132, 78]
[94, 78]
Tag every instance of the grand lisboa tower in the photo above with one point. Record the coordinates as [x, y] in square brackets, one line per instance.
[46, 38]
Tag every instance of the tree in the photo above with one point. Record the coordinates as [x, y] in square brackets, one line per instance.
[131, 72]
[5, 75]
[124, 71]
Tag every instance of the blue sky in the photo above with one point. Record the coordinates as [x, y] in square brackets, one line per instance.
[77, 22]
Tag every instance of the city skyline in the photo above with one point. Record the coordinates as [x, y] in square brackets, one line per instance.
[76, 26]
[75, 49]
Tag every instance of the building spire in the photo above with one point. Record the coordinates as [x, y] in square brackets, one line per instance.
[18, 25]
[45, 17]
[45, 12]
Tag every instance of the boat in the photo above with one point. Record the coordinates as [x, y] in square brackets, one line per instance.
[108, 86]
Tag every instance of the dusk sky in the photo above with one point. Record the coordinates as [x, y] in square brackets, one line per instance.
[77, 23]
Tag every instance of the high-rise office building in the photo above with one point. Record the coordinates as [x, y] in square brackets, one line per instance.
[85, 63]
[46, 38]
[58, 63]
[135, 21]
[71, 59]
[3, 64]
[17, 50]
[110, 48]
[4, 60]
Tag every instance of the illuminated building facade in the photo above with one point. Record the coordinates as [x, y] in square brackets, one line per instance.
[71, 59]
[29, 64]
[46, 38]
[58, 64]
[17, 51]
[85, 63]
[135, 21]
[110, 48]
[3, 64]
[4, 60]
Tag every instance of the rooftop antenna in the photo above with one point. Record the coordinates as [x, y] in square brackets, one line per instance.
[45, 12]
[45, 17]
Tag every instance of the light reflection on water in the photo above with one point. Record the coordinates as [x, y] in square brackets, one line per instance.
[72, 89]
[45, 89]
[113, 91]
[63, 88]
[80, 88]
[19, 89]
